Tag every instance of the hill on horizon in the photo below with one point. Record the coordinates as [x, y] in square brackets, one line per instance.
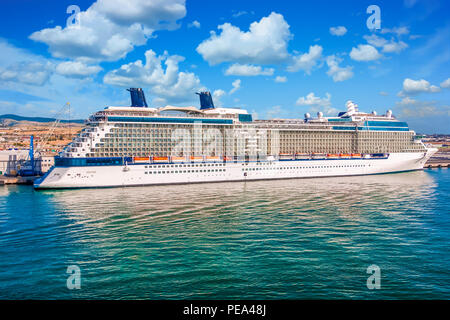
[35, 119]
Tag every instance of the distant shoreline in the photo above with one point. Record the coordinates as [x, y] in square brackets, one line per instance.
[36, 119]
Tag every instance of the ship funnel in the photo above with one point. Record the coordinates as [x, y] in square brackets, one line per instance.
[137, 97]
[206, 101]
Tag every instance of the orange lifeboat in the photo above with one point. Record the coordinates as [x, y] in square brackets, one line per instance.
[178, 159]
[141, 159]
[356, 155]
[212, 158]
[160, 159]
[332, 155]
[344, 155]
[196, 159]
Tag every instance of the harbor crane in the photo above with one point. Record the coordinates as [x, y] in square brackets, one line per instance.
[36, 152]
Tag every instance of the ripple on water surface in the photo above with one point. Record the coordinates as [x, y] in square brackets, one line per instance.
[305, 238]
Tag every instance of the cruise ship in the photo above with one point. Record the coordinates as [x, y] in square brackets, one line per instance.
[138, 145]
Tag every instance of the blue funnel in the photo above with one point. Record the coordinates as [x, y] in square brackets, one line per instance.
[137, 97]
[206, 101]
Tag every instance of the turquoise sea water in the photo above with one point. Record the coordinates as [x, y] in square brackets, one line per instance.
[289, 239]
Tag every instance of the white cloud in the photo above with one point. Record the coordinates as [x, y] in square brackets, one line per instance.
[399, 31]
[10, 54]
[445, 83]
[306, 61]
[109, 29]
[239, 13]
[336, 72]
[365, 52]
[194, 24]
[42, 95]
[76, 69]
[375, 40]
[155, 14]
[412, 108]
[393, 46]
[217, 95]
[387, 46]
[280, 79]
[338, 31]
[30, 72]
[273, 112]
[265, 42]
[248, 70]
[21, 66]
[236, 86]
[312, 100]
[411, 87]
[169, 85]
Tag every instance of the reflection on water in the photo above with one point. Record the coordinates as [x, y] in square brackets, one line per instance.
[300, 238]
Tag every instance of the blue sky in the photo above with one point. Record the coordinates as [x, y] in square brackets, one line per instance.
[275, 58]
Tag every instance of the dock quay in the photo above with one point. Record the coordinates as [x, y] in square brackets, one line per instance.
[437, 165]
[439, 160]
[4, 180]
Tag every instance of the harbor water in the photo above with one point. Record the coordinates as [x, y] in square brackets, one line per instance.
[286, 239]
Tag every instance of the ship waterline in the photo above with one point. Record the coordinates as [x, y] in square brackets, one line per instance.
[169, 173]
[137, 145]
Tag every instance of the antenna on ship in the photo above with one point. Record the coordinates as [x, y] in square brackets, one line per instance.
[206, 101]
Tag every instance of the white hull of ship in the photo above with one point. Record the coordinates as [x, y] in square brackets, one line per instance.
[151, 174]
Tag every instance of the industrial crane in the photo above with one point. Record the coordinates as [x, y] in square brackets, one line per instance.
[36, 152]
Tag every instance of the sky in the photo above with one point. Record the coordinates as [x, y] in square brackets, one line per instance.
[277, 59]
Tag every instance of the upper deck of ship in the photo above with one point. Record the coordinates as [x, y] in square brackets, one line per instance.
[351, 120]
